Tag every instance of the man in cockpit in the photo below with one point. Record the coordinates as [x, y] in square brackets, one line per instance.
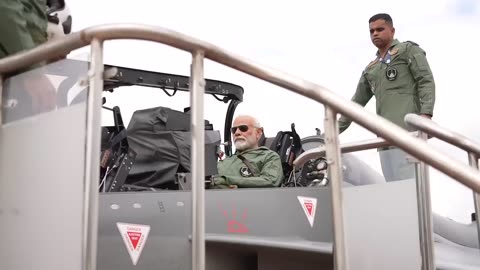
[251, 166]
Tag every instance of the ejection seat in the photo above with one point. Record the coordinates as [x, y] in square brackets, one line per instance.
[288, 146]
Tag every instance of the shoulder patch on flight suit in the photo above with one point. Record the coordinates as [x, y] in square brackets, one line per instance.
[372, 63]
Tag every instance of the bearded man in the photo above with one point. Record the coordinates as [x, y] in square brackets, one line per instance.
[252, 166]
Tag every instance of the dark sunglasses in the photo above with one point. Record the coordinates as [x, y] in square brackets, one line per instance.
[243, 128]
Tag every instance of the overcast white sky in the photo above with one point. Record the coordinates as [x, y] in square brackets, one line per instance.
[326, 42]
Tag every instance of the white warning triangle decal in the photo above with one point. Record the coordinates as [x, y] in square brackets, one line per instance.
[309, 206]
[134, 236]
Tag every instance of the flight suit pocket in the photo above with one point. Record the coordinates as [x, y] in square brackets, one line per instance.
[398, 78]
[421, 61]
[371, 79]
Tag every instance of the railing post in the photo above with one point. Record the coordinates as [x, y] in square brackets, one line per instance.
[473, 161]
[335, 176]
[424, 212]
[1, 100]
[92, 173]
[197, 89]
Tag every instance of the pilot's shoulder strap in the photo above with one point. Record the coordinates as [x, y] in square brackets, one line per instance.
[249, 164]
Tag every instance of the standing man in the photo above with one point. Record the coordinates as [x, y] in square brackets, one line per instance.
[251, 166]
[401, 80]
[23, 25]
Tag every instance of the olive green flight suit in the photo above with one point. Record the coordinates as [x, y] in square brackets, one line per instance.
[402, 83]
[23, 25]
[409, 89]
[267, 167]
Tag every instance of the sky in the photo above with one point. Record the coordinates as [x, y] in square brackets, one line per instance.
[326, 42]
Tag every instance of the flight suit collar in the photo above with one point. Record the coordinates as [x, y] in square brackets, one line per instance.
[392, 52]
[395, 42]
[251, 150]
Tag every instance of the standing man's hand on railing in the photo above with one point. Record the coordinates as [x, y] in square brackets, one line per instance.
[42, 93]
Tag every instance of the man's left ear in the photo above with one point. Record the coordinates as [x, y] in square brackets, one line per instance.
[259, 132]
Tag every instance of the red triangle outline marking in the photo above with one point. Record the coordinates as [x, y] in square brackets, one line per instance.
[309, 207]
[134, 237]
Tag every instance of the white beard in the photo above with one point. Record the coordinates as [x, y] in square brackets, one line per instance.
[241, 145]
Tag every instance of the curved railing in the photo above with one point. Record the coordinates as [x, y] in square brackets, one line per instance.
[344, 148]
[472, 148]
[333, 103]
[435, 130]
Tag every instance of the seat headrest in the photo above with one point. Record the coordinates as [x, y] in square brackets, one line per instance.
[261, 141]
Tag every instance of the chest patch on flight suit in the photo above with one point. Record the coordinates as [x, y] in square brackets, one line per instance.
[245, 172]
[391, 73]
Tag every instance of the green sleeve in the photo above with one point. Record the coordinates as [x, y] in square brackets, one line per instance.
[23, 26]
[271, 174]
[362, 95]
[219, 182]
[423, 76]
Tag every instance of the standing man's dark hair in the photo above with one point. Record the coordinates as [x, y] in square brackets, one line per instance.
[382, 32]
[401, 80]
[381, 16]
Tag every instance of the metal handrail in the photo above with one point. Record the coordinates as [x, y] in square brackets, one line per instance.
[472, 148]
[197, 126]
[333, 102]
[344, 148]
[378, 125]
[92, 159]
[435, 130]
[424, 207]
[355, 112]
